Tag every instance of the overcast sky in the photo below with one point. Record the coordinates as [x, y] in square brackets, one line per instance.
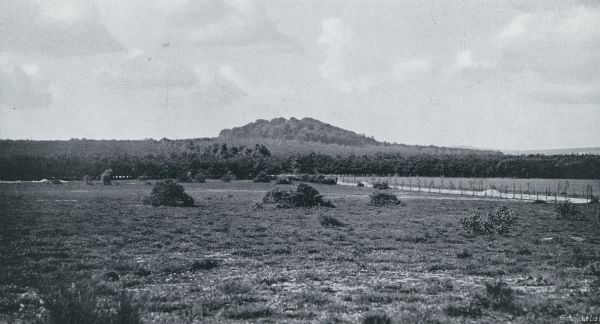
[492, 74]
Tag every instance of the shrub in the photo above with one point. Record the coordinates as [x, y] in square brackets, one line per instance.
[283, 181]
[204, 264]
[56, 181]
[184, 177]
[376, 318]
[499, 296]
[594, 200]
[329, 221]
[360, 184]
[81, 304]
[262, 176]
[199, 177]
[88, 180]
[381, 185]
[568, 211]
[304, 196]
[106, 177]
[169, 193]
[498, 221]
[315, 178]
[228, 177]
[383, 199]
[143, 178]
[539, 202]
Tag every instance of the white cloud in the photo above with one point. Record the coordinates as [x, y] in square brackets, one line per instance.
[226, 23]
[21, 89]
[53, 28]
[405, 70]
[558, 51]
[335, 37]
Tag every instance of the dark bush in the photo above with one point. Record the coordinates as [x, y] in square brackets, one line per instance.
[56, 181]
[594, 200]
[377, 319]
[499, 296]
[330, 221]
[383, 199]
[283, 181]
[381, 185]
[185, 177]
[304, 196]
[262, 176]
[143, 178]
[314, 178]
[88, 180]
[199, 177]
[360, 184]
[80, 304]
[498, 221]
[228, 177]
[169, 193]
[568, 211]
[205, 264]
[539, 202]
[106, 177]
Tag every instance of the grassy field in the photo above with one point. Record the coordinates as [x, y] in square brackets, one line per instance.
[232, 259]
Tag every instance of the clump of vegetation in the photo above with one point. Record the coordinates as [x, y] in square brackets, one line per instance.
[498, 221]
[568, 211]
[383, 199]
[594, 200]
[87, 179]
[360, 184]
[56, 181]
[283, 181]
[106, 177]
[185, 177]
[262, 176]
[499, 296]
[315, 178]
[228, 177]
[204, 264]
[143, 177]
[81, 304]
[199, 177]
[381, 185]
[539, 202]
[330, 221]
[377, 318]
[303, 196]
[169, 193]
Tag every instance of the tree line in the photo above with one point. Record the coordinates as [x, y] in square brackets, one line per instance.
[215, 160]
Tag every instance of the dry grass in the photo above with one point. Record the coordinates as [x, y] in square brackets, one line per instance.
[223, 261]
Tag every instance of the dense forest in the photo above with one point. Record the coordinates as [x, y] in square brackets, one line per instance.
[245, 162]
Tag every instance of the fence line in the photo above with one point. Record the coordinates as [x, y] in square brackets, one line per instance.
[476, 188]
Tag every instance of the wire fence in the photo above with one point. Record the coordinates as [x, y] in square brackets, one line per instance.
[547, 190]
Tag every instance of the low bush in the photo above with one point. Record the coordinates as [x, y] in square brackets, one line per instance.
[199, 177]
[498, 221]
[594, 200]
[262, 176]
[383, 199]
[376, 318]
[228, 177]
[330, 221]
[55, 181]
[314, 178]
[568, 211]
[185, 177]
[381, 185]
[539, 202]
[360, 184]
[106, 177]
[88, 180]
[283, 181]
[205, 264]
[81, 304]
[303, 196]
[169, 193]
[500, 297]
[143, 178]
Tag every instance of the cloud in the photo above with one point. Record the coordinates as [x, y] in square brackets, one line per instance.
[334, 37]
[557, 52]
[57, 28]
[140, 70]
[406, 70]
[22, 88]
[237, 23]
[220, 87]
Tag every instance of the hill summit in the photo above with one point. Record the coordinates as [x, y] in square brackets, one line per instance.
[305, 129]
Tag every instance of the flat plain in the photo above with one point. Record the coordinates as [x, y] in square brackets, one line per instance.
[232, 259]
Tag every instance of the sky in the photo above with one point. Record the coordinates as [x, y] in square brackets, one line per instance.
[490, 74]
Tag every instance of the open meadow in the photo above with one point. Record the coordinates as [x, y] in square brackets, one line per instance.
[73, 248]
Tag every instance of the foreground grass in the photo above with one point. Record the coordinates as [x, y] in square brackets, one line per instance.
[232, 259]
